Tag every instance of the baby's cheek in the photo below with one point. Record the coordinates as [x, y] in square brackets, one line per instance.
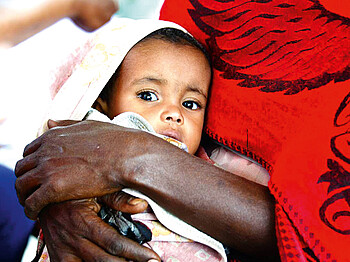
[194, 142]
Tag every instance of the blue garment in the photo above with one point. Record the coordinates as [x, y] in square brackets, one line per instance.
[15, 227]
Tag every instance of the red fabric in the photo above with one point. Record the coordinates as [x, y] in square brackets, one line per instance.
[280, 95]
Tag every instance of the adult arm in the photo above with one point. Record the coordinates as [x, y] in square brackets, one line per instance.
[91, 159]
[20, 21]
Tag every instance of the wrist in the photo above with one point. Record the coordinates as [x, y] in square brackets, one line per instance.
[137, 164]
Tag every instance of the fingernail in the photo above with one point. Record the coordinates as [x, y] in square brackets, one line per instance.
[135, 201]
[51, 123]
[153, 260]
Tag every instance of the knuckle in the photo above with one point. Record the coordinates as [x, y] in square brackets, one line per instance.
[116, 198]
[48, 136]
[53, 187]
[117, 247]
[44, 165]
[102, 258]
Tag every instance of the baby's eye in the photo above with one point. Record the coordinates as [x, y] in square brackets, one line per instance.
[147, 96]
[191, 105]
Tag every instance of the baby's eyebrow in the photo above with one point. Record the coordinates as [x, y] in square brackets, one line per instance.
[195, 89]
[160, 81]
[148, 79]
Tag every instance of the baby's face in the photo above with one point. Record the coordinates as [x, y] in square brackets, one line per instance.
[167, 84]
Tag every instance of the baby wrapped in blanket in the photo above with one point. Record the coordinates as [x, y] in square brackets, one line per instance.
[161, 74]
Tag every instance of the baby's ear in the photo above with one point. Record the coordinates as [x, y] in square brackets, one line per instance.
[101, 105]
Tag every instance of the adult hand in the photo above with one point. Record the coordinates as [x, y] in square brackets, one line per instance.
[74, 162]
[91, 14]
[74, 232]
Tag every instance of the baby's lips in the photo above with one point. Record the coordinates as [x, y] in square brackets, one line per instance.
[174, 142]
[172, 134]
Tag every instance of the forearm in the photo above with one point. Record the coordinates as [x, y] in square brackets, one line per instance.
[237, 212]
[17, 24]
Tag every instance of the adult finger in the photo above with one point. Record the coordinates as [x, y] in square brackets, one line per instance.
[124, 202]
[26, 185]
[24, 165]
[118, 245]
[87, 251]
[32, 147]
[56, 255]
[34, 194]
[40, 186]
[32, 206]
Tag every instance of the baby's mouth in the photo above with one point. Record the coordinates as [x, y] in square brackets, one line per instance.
[173, 137]
[172, 133]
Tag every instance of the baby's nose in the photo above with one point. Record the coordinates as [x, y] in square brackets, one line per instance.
[172, 114]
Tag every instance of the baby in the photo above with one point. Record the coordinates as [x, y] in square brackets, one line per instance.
[164, 81]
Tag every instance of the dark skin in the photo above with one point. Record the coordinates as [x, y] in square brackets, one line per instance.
[61, 165]
[77, 242]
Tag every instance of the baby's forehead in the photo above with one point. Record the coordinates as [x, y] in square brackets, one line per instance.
[178, 41]
[156, 46]
[156, 60]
